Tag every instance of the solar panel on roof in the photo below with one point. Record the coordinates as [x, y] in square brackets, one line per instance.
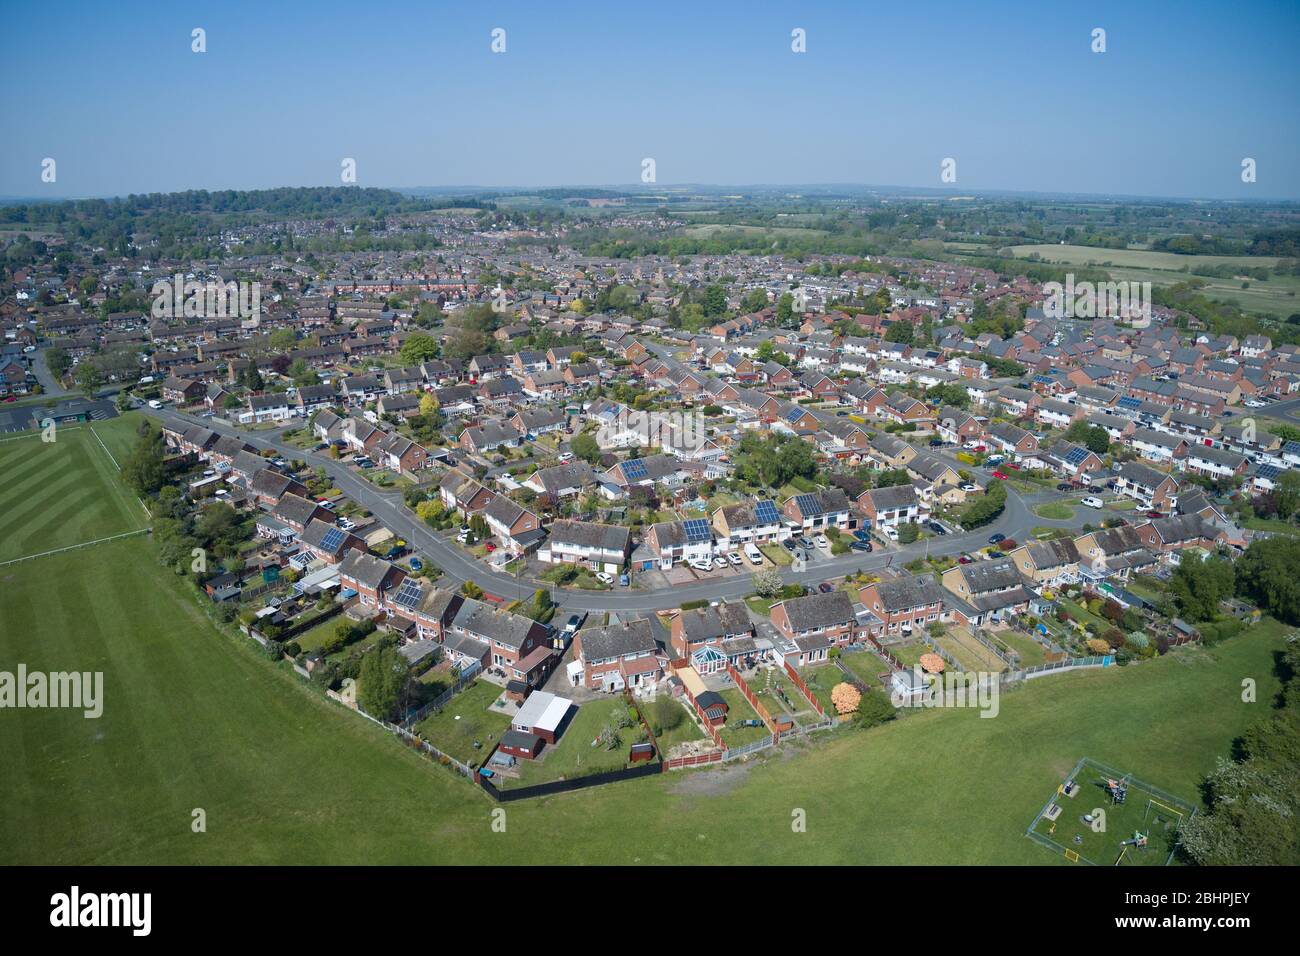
[408, 595]
[1076, 455]
[333, 538]
[697, 530]
[809, 506]
[765, 513]
[635, 469]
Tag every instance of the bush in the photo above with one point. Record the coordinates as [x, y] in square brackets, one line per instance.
[666, 714]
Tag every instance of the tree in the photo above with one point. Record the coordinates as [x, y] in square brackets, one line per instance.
[982, 510]
[429, 405]
[767, 583]
[1199, 584]
[908, 532]
[471, 590]
[303, 374]
[382, 681]
[1092, 437]
[1286, 494]
[785, 309]
[846, 698]
[1266, 574]
[145, 468]
[419, 348]
[902, 332]
[585, 446]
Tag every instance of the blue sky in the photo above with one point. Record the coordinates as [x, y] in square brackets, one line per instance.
[710, 90]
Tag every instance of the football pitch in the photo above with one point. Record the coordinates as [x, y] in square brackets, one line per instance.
[60, 493]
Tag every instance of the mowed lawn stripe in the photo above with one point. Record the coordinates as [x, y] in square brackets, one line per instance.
[61, 493]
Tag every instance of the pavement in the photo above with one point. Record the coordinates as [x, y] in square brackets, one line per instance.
[1016, 521]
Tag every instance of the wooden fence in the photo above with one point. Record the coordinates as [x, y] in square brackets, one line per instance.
[803, 688]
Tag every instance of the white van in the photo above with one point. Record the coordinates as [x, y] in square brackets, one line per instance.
[154, 403]
[754, 555]
[1092, 501]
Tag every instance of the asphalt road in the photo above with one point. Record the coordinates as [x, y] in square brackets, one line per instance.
[1016, 521]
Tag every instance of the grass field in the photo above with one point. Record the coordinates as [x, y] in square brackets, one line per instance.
[867, 667]
[194, 718]
[61, 493]
[1031, 652]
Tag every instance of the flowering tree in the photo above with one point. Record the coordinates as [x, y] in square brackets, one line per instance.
[932, 663]
[845, 697]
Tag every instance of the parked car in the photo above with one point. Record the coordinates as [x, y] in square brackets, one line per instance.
[702, 565]
[572, 625]
[997, 538]
[733, 558]
[965, 559]
[720, 563]
[804, 542]
[1092, 501]
[604, 577]
[1155, 514]
[754, 555]
[936, 527]
[154, 403]
[417, 564]
[995, 459]
[967, 486]
[1063, 486]
[823, 541]
[863, 546]
[788, 544]
[826, 587]
[862, 535]
[1000, 474]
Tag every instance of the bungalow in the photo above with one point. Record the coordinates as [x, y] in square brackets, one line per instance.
[532, 422]
[489, 436]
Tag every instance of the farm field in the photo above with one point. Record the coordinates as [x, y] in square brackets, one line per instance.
[60, 493]
[195, 718]
[1279, 296]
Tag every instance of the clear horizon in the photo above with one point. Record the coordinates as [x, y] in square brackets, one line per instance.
[1183, 93]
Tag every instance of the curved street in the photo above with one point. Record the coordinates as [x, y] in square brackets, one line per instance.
[1016, 521]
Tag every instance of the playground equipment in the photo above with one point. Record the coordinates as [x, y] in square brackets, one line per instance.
[1118, 789]
[1139, 841]
[1155, 811]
